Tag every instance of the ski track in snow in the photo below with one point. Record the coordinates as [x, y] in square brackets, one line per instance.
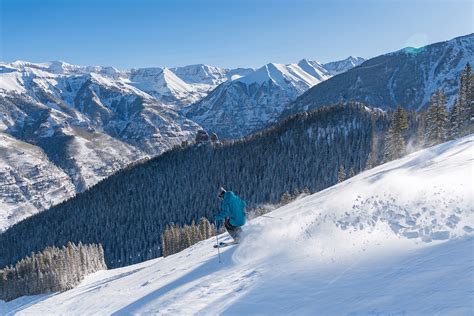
[397, 239]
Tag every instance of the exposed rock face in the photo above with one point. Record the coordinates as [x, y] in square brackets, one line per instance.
[202, 136]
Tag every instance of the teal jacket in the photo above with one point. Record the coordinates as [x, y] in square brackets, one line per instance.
[232, 207]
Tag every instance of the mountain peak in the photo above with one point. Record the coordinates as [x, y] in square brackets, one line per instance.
[270, 71]
[314, 68]
[340, 66]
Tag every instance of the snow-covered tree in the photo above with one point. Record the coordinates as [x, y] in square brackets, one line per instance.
[351, 172]
[51, 270]
[176, 238]
[341, 175]
[285, 198]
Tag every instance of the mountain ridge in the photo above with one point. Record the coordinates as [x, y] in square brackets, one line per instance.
[406, 77]
[239, 107]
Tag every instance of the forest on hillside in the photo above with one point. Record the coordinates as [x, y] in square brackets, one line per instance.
[127, 212]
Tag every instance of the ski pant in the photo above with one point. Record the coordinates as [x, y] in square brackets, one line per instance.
[234, 231]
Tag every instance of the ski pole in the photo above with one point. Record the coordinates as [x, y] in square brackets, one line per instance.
[217, 242]
[271, 217]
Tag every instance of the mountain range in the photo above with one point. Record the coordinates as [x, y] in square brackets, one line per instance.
[90, 121]
[243, 105]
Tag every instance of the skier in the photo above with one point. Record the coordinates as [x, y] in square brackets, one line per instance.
[232, 212]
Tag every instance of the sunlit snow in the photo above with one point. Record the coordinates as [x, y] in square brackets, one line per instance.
[396, 239]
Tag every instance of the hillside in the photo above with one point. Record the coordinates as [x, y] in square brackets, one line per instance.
[128, 211]
[396, 239]
[407, 77]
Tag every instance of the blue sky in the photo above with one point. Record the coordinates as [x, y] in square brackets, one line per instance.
[226, 33]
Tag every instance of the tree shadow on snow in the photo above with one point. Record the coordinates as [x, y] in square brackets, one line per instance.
[24, 302]
[203, 270]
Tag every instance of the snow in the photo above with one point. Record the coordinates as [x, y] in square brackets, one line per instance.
[282, 75]
[11, 80]
[340, 66]
[203, 74]
[161, 81]
[30, 182]
[253, 101]
[315, 69]
[340, 251]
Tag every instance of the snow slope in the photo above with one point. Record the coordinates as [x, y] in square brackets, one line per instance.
[396, 239]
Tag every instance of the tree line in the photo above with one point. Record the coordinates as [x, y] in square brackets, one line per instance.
[51, 270]
[176, 238]
[435, 125]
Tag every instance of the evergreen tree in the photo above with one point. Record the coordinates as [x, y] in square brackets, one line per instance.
[176, 238]
[455, 123]
[285, 198]
[373, 158]
[395, 146]
[436, 120]
[351, 173]
[51, 270]
[296, 194]
[466, 102]
[341, 175]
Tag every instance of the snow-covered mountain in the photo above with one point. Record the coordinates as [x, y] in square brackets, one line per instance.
[208, 75]
[245, 104]
[163, 84]
[88, 121]
[396, 239]
[29, 181]
[340, 66]
[182, 86]
[407, 77]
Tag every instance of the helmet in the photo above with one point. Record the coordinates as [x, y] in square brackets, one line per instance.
[221, 193]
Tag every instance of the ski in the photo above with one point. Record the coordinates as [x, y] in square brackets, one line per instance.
[225, 244]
